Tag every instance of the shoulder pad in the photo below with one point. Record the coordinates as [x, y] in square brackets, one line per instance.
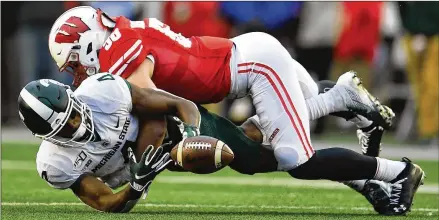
[122, 53]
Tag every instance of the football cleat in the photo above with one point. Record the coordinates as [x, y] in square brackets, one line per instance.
[403, 189]
[370, 139]
[377, 193]
[358, 100]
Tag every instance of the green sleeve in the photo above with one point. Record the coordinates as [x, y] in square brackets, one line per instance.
[129, 86]
[248, 153]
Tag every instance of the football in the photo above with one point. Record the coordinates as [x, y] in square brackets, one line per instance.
[202, 154]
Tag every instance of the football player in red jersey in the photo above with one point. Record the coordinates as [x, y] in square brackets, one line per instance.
[205, 70]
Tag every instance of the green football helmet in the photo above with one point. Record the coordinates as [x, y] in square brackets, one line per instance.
[52, 112]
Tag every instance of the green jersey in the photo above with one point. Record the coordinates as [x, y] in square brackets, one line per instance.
[420, 17]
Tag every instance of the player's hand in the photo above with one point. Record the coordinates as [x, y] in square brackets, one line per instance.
[190, 131]
[149, 166]
[187, 130]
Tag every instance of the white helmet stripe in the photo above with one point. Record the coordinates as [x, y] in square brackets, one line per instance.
[40, 108]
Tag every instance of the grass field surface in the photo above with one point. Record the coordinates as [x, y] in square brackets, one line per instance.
[222, 195]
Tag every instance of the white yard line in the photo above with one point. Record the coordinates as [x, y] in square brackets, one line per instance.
[232, 180]
[211, 206]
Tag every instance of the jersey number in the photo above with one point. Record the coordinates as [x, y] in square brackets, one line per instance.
[105, 77]
[164, 29]
[113, 37]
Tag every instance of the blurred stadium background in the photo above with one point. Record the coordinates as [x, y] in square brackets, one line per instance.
[394, 46]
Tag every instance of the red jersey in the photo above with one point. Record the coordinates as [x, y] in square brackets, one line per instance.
[360, 34]
[195, 68]
[195, 18]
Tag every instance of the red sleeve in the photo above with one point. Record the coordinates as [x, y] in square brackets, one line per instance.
[124, 55]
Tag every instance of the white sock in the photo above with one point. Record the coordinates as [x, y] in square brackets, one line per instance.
[361, 122]
[324, 104]
[388, 170]
[357, 185]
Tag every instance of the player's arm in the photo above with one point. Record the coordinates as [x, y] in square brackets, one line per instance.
[96, 194]
[141, 76]
[157, 102]
[152, 130]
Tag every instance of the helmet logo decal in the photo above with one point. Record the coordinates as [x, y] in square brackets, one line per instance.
[45, 83]
[70, 31]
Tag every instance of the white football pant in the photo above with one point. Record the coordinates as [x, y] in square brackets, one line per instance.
[263, 68]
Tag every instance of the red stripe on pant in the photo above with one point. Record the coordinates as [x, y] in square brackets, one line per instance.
[245, 64]
[290, 102]
[282, 102]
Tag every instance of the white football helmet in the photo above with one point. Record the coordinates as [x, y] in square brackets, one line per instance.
[76, 38]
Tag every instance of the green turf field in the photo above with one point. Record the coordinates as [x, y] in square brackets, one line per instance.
[223, 195]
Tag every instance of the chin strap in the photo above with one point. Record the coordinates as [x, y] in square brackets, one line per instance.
[78, 78]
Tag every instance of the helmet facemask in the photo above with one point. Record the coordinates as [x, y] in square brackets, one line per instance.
[79, 136]
[74, 67]
[82, 62]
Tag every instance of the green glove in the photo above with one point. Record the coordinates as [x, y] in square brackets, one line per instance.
[187, 130]
[149, 166]
[190, 131]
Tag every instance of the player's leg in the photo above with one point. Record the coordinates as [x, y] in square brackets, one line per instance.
[339, 164]
[336, 102]
[272, 77]
[369, 132]
[273, 84]
[281, 108]
[376, 192]
[251, 157]
[335, 164]
[348, 94]
[310, 89]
